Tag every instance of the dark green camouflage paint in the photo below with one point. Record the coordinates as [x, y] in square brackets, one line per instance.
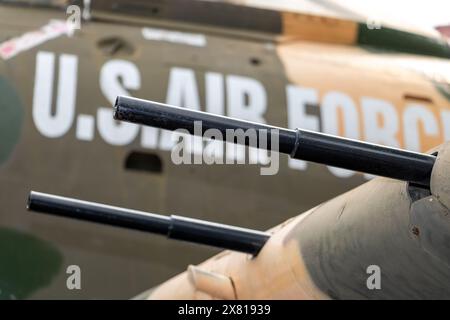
[443, 89]
[395, 40]
[11, 119]
[25, 270]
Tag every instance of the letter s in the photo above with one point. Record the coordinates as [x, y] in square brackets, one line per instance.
[114, 132]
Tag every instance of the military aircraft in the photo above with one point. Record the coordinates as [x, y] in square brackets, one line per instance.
[387, 239]
[320, 68]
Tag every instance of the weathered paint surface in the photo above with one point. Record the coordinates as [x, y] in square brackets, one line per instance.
[330, 251]
[27, 264]
[11, 119]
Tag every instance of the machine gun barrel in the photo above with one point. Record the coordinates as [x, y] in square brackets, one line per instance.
[300, 144]
[174, 227]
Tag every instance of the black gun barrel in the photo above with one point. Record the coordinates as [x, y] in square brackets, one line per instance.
[174, 227]
[299, 144]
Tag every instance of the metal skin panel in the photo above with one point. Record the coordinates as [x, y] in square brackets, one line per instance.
[278, 272]
[342, 238]
[326, 252]
[430, 224]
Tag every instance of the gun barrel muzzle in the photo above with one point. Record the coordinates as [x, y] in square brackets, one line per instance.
[174, 227]
[300, 144]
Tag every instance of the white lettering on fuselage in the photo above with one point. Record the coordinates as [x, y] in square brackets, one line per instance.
[369, 118]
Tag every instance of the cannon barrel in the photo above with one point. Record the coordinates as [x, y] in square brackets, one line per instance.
[300, 144]
[174, 227]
